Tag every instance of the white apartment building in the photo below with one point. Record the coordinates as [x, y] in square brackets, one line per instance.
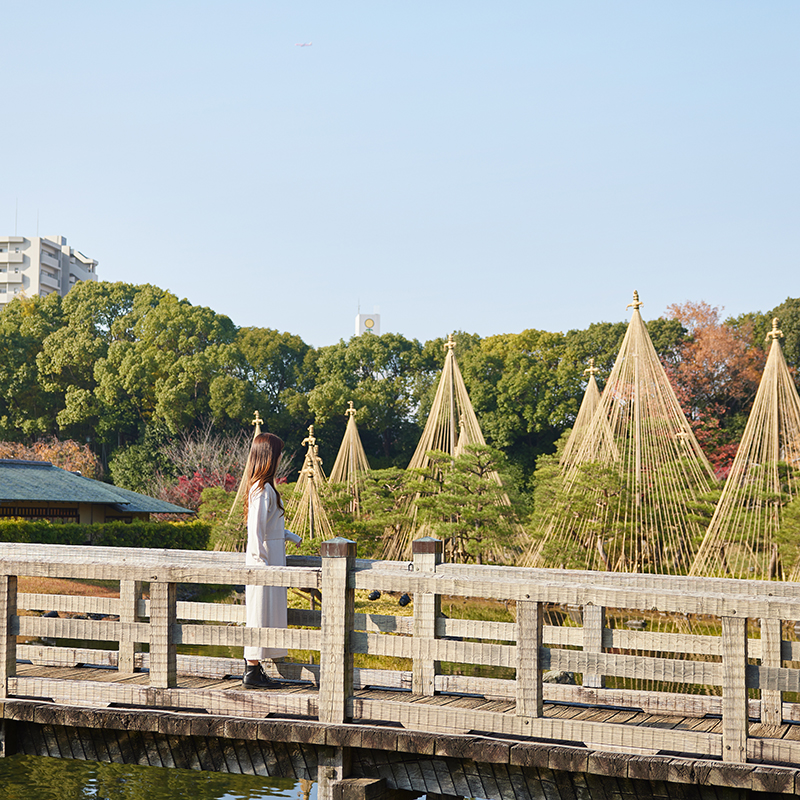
[40, 265]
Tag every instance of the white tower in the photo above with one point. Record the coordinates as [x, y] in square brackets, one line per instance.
[368, 323]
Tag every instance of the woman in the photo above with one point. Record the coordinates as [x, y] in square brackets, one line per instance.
[266, 535]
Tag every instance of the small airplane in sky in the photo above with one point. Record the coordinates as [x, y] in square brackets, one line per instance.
[304, 44]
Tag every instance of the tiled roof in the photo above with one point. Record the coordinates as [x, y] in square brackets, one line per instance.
[142, 503]
[41, 481]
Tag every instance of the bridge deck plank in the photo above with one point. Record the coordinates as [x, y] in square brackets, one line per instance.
[502, 706]
[710, 724]
[793, 733]
[560, 711]
[621, 717]
[598, 715]
[227, 696]
[760, 730]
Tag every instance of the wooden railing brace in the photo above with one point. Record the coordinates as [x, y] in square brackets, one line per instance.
[734, 689]
[338, 621]
[8, 640]
[427, 607]
[163, 651]
[594, 620]
[130, 593]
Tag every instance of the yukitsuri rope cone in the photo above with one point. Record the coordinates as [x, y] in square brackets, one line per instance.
[236, 539]
[627, 505]
[351, 462]
[451, 422]
[312, 467]
[305, 514]
[451, 426]
[603, 441]
[743, 539]
[583, 422]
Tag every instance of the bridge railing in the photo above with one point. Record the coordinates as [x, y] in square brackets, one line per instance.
[725, 659]
[525, 648]
[130, 621]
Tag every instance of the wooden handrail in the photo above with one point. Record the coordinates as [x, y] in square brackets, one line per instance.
[527, 646]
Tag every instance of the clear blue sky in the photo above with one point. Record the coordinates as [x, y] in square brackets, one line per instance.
[483, 166]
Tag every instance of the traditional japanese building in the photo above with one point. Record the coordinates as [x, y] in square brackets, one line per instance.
[40, 490]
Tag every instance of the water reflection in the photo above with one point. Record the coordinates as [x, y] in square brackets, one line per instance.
[29, 777]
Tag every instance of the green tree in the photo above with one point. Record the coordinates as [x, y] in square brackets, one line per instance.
[788, 537]
[759, 324]
[142, 466]
[462, 503]
[277, 370]
[95, 314]
[228, 530]
[128, 356]
[26, 408]
[164, 370]
[525, 389]
[381, 375]
[602, 341]
[577, 526]
[386, 496]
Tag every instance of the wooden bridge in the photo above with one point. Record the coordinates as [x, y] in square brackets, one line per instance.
[363, 732]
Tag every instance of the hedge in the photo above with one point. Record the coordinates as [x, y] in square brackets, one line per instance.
[170, 535]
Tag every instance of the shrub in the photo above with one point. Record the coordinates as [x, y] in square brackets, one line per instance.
[169, 535]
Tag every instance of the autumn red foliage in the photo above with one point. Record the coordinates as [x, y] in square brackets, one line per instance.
[187, 491]
[715, 376]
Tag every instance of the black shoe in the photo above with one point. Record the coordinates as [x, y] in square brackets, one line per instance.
[256, 678]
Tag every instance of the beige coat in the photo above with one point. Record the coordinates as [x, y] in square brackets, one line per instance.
[266, 537]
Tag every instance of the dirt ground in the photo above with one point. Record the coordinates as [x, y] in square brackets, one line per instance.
[64, 586]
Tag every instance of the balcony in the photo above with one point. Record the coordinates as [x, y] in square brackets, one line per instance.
[11, 258]
[49, 280]
[13, 277]
[78, 273]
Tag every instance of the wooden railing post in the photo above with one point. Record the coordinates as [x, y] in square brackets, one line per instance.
[734, 689]
[8, 639]
[130, 592]
[427, 608]
[163, 652]
[338, 620]
[530, 619]
[594, 620]
[771, 699]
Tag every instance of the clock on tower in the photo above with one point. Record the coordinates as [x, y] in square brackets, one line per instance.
[368, 323]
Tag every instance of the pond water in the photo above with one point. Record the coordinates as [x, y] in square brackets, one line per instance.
[39, 778]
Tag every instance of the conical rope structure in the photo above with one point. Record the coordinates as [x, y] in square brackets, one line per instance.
[312, 468]
[583, 422]
[583, 426]
[629, 503]
[743, 539]
[308, 517]
[451, 421]
[451, 426]
[305, 513]
[237, 539]
[351, 462]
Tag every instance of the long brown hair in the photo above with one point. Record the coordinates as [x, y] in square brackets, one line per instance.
[262, 464]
